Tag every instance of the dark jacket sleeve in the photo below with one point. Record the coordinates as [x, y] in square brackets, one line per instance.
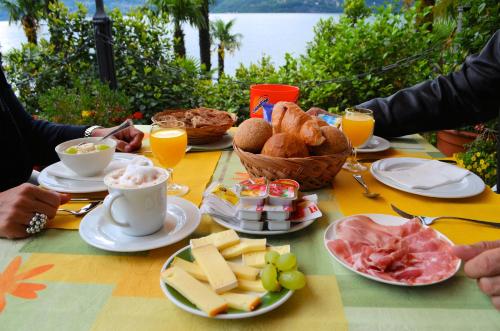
[469, 96]
[40, 137]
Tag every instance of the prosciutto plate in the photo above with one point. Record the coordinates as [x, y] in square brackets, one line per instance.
[391, 249]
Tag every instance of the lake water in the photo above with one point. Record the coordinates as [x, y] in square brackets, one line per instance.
[263, 34]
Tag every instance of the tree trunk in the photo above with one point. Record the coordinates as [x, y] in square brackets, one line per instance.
[30, 26]
[430, 17]
[220, 54]
[204, 36]
[179, 46]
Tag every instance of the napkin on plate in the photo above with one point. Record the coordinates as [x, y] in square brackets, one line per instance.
[428, 175]
[61, 171]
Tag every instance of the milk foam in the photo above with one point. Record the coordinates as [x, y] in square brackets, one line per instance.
[135, 176]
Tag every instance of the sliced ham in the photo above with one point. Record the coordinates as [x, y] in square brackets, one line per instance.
[409, 253]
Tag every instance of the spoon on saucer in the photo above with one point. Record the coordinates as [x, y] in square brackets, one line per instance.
[367, 193]
[84, 210]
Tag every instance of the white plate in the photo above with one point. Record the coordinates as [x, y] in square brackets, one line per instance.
[77, 186]
[383, 219]
[376, 144]
[225, 142]
[279, 298]
[236, 227]
[469, 186]
[183, 218]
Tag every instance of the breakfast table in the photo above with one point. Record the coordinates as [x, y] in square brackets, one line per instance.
[56, 281]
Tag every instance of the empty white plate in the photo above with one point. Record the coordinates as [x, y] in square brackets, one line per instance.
[469, 186]
[376, 144]
[183, 218]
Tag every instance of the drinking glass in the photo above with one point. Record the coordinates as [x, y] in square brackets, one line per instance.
[168, 143]
[357, 125]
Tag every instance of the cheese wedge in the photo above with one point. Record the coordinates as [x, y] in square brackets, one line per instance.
[258, 259]
[220, 240]
[200, 295]
[191, 268]
[244, 246]
[243, 271]
[245, 302]
[251, 285]
[220, 276]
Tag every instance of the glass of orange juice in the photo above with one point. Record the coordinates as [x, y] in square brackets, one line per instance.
[357, 125]
[168, 141]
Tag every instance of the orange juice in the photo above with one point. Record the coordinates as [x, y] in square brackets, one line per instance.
[358, 128]
[169, 145]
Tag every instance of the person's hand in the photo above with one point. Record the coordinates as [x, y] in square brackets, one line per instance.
[482, 262]
[19, 204]
[128, 140]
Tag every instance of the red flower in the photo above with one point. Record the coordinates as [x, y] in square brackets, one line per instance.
[138, 115]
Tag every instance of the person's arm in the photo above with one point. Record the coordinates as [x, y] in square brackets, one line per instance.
[469, 96]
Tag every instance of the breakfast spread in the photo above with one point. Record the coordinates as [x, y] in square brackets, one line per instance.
[409, 253]
[225, 272]
[86, 148]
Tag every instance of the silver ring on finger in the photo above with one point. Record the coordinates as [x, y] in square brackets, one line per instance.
[37, 223]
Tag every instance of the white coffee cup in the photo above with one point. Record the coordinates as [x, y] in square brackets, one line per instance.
[138, 211]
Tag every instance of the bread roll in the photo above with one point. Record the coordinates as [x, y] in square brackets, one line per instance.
[336, 142]
[252, 134]
[288, 117]
[285, 145]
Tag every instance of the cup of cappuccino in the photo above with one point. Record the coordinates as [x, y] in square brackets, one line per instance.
[137, 200]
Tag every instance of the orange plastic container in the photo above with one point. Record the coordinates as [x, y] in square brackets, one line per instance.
[263, 97]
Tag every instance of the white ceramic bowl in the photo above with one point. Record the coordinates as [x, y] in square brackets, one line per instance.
[90, 164]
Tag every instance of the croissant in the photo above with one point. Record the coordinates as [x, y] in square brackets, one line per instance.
[289, 118]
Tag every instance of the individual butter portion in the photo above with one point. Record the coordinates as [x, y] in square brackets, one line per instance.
[220, 240]
[196, 292]
[258, 259]
[219, 274]
[246, 302]
[243, 271]
[251, 285]
[244, 246]
[191, 268]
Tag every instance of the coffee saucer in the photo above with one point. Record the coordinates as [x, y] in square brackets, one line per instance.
[182, 219]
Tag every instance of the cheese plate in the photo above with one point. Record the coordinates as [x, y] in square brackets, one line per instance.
[268, 300]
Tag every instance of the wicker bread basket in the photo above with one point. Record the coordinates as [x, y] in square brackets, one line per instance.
[201, 135]
[311, 172]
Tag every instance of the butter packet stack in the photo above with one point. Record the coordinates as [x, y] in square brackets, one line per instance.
[219, 199]
[306, 209]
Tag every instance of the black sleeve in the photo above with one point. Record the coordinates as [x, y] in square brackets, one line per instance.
[40, 137]
[469, 96]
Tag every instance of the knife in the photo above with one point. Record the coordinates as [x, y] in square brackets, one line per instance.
[374, 160]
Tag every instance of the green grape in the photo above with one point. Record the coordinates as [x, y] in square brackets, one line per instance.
[286, 262]
[269, 278]
[102, 147]
[271, 257]
[71, 150]
[292, 280]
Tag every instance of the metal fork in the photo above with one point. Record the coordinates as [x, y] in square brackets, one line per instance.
[82, 211]
[427, 220]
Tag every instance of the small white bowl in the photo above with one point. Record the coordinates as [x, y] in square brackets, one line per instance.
[88, 164]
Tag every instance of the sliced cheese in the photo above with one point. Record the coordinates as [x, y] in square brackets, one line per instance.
[243, 271]
[251, 285]
[219, 274]
[220, 240]
[258, 259]
[200, 295]
[244, 246]
[246, 302]
[240, 270]
[191, 268]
